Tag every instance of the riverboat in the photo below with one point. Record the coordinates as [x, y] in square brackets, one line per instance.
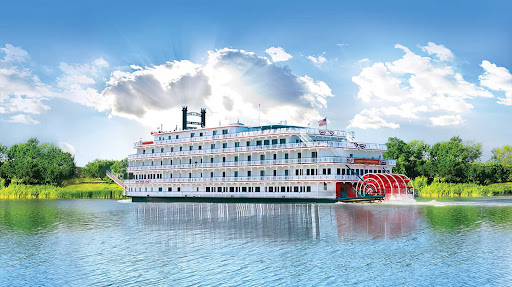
[259, 164]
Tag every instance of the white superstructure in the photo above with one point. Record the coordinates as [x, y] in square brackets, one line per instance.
[261, 162]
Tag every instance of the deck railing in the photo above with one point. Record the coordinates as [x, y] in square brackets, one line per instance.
[247, 179]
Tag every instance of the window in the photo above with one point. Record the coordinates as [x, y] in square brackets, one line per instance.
[169, 189]
[325, 186]
[200, 147]
[328, 171]
[324, 171]
[211, 160]
[207, 189]
[299, 155]
[192, 135]
[231, 189]
[190, 161]
[248, 173]
[262, 157]
[212, 146]
[248, 158]
[224, 145]
[153, 151]
[283, 189]
[169, 137]
[282, 141]
[223, 174]
[285, 156]
[295, 189]
[266, 142]
[190, 175]
[237, 144]
[224, 132]
[338, 172]
[143, 151]
[286, 172]
[271, 189]
[181, 148]
[275, 156]
[307, 171]
[200, 134]
[190, 147]
[214, 132]
[236, 173]
[258, 142]
[223, 159]
[308, 189]
[159, 189]
[314, 154]
[257, 189]
[162, 150]
[211, 174]
[177, 136]
[275, 172]
[172, 149]
[219, 189]
[274, 141]
[236, 158]
[262, 173]
[296, 172]
[248, 143]
[244, 189]
[179, 189]
[342, 171]
[351, 155]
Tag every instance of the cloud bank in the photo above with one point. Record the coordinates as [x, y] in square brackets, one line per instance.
[425, 89]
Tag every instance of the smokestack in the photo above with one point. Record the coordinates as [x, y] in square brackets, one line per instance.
[184, 110]
[203, 117]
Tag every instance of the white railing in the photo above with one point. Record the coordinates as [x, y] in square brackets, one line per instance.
[252, 163]
[247, 179]
[318, 144]
[257, 133]
[242, 163]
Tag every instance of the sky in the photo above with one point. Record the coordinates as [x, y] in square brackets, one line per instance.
[94, 77]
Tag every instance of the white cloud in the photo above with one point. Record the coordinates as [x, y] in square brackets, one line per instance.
[440, 51]
[278, 54]
[341, 45]
[230, 85]
[369, 119]
[415, 87]
[23, 119]
[77, 84]
[67, 147]
[446, 120]
[14, 54]
[364, 60]
[498, 79]
[317, 60]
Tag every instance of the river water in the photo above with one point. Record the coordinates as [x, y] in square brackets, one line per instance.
[119, 243]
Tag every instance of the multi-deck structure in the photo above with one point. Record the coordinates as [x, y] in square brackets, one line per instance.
[252, 163]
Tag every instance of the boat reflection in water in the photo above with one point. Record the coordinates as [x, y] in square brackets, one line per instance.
[279, 221]
[376, 221]
[234, 220]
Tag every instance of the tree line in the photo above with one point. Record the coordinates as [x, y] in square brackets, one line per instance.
[453, 161]
[35, 163]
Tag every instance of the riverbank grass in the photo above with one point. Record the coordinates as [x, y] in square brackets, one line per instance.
[76, 188]
[441, 189]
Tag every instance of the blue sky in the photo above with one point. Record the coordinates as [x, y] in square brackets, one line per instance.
[97, 76]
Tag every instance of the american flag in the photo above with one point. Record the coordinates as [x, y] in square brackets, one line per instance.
[322, 122]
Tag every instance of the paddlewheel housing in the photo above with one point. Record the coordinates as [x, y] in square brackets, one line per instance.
[391, 186]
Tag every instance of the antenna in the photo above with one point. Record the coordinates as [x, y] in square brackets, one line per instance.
[259, 115]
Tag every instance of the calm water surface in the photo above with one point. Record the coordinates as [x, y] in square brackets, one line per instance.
[107, 242]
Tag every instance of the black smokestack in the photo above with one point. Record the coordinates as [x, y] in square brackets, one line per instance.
[184, 110]
[203, 117]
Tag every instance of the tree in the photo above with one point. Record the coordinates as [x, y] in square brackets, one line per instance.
[410, 157]
[503, 155]
[451, 160]
[35, 163]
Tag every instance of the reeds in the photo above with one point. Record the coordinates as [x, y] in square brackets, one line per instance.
[77, 190]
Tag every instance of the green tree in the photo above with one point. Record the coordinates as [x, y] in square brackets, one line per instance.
[451, 160]
[502, 154]
[410, 157]
[35, 163]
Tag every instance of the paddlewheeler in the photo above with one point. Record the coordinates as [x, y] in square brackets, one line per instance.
[240, 163]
